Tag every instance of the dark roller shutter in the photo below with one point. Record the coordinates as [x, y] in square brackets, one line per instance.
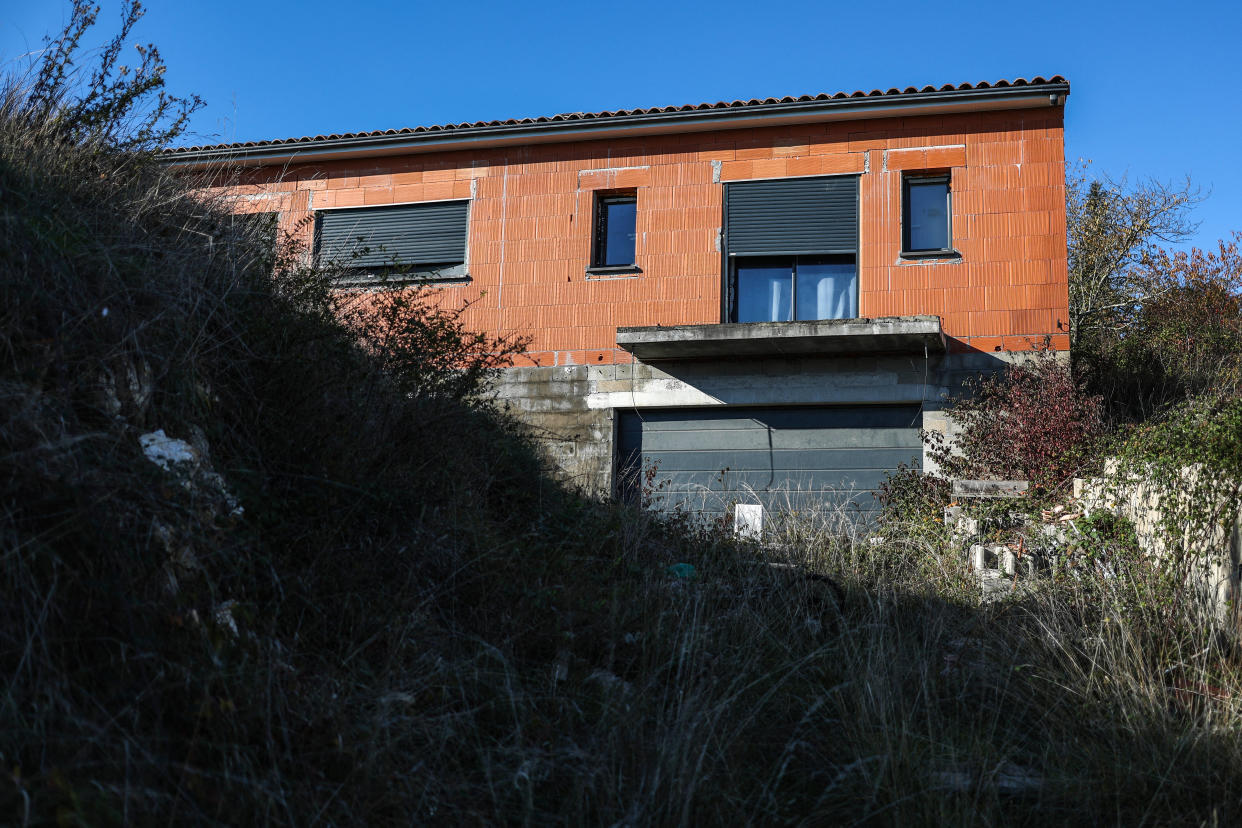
[409, 234]
[702, 460]
[792, 216]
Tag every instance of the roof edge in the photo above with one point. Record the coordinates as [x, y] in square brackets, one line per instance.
[705, 117]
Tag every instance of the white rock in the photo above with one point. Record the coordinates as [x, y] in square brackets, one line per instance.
[165, 451]
[189, 464]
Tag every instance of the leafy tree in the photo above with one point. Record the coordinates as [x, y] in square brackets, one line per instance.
[1150, 326]
[1113, 227]
[1184, 339]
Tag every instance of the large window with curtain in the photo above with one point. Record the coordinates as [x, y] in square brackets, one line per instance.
[800, 287]
[792, 249]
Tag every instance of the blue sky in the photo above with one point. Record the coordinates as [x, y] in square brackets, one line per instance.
[1156, 88]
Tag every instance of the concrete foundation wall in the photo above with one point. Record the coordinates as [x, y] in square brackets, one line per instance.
[570, 408]
[575, 437]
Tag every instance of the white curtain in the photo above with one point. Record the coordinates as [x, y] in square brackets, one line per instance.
[778, 310]
[825, 294]
[836, 295]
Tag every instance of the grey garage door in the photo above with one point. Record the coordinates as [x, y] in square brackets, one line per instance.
[805, 459]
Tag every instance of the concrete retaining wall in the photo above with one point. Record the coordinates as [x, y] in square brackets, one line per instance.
[1217, 577]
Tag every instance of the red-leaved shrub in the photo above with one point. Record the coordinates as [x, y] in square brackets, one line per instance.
[1031, 422]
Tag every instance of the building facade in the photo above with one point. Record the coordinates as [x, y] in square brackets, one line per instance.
[752, 300]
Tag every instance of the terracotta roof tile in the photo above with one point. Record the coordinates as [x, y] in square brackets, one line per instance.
[593, 116]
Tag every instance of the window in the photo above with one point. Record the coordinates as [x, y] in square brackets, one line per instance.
[926, 216]
[791, 246]
[616, 218]
[798, 288]
[406, 241]
[253, 235]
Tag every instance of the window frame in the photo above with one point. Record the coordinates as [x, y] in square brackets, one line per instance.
[396, 275]
[907, 252]
[793, 261]
[599, 232]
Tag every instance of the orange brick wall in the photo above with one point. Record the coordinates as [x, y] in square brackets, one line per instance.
[531, 215]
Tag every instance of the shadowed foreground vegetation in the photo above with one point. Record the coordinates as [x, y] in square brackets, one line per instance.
[365, 601]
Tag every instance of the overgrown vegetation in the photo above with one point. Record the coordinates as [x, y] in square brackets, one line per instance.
[362, 601]
[1150, 326]
[111, 105]
[1034, 421]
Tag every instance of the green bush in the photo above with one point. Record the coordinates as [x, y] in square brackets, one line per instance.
[908, 494]
[1189, 464]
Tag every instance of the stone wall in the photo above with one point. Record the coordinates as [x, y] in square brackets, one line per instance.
[552, 402]
[1217, 578]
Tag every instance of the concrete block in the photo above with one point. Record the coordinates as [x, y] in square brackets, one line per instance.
[571, 372]
[547, 404]
[609, 386]
[601, 373]
[978, 557]
[989, 488]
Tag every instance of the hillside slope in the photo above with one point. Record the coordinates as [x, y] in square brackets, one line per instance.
[224, 637]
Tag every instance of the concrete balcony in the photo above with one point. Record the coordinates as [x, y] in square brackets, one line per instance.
[825, 337]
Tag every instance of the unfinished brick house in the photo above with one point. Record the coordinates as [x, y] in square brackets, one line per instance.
[755, 298]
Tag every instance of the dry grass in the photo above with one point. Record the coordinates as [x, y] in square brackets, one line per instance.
[430, 630]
